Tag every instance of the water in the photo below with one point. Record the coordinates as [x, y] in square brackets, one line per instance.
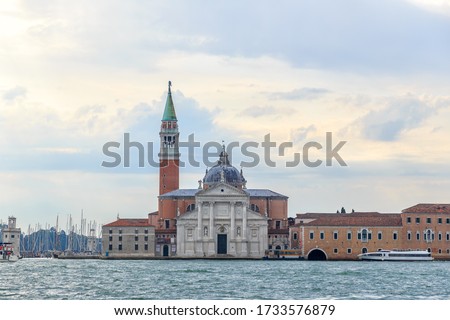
[229, 279]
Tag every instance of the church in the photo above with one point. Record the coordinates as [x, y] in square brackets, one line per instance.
[220, 218]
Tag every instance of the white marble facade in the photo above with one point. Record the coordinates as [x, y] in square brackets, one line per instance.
[222, 225]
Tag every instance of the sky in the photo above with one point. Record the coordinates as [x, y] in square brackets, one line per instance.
[78, 74]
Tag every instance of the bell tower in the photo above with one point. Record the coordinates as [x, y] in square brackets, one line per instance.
[169, 155]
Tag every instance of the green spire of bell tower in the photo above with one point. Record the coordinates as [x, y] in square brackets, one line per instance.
[169, 110]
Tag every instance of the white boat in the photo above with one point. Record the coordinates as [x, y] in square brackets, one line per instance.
[6, 253]
[397, 255]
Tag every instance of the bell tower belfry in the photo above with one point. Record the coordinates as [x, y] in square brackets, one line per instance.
[169, 155]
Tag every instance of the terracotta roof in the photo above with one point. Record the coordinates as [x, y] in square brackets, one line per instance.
[428, 208]
[129, 223]
[363, 219]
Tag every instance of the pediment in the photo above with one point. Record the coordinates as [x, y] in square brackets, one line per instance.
[221, 189]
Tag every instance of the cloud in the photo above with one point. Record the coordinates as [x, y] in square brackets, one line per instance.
[14, 93]
[299, 94]
[399, 115]
[300, 134]
[259, 111]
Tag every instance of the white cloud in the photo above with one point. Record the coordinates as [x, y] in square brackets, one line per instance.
[14, 93]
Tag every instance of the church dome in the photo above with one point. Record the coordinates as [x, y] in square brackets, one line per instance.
[223, 171]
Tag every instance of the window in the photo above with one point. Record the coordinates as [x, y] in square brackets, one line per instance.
[120, 247]
[394, 235]
[408, 235]
[447, 236]
[120, 231]
[110, 231]
[447, 220]
[364, 235]
[136, 231]
[440, 236]
[146, 238]
[167, 223]
[295, 236]
[110, 246]
[311, 235]
[440, 220]
[335, 250]
[254, 207]
[322, 235]
[120, 238]
[136, 246]
[428, 220]
[146, 231]
[335, 235]
[205, 231]
[190, 207]
[349, 235]
[277, 224]
[408, 219]
[380, 235]
[146, 247]
[12, 236]
[418, 235]
[110, 238]
[428, 235]
[136, 238]
[349, 250]
[417, 220]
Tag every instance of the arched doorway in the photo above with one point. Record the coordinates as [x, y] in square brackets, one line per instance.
[364, 250]
[317, 254]
[165, 250]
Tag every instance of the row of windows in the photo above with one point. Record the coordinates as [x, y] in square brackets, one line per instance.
[136, 238]
[6, 236]
[136, 247]
[136, 231]
[428, 220]
[428, 235]
[364, 235]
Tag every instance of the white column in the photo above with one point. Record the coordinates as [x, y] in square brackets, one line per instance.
[211, 219]
[199, 220]
[244, 221]
[233, 221]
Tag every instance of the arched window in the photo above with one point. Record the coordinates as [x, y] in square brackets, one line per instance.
[364, 250]
[205, 231]
[295, 236]
[428, 235]
[254, 207]
[364, 234]
[190, 207]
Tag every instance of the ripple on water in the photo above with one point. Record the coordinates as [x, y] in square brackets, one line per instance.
[233, 279]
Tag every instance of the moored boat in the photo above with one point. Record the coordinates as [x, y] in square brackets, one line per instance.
[6, 253]
[397, 255]
[287, 254]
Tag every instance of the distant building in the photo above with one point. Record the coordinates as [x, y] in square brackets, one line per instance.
[11, 234]
[427, 227]
[127, 238]
[341, 236]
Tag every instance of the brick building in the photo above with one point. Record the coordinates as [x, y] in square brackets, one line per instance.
[341, 236]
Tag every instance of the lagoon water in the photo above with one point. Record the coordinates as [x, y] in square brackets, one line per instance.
[224, 279]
